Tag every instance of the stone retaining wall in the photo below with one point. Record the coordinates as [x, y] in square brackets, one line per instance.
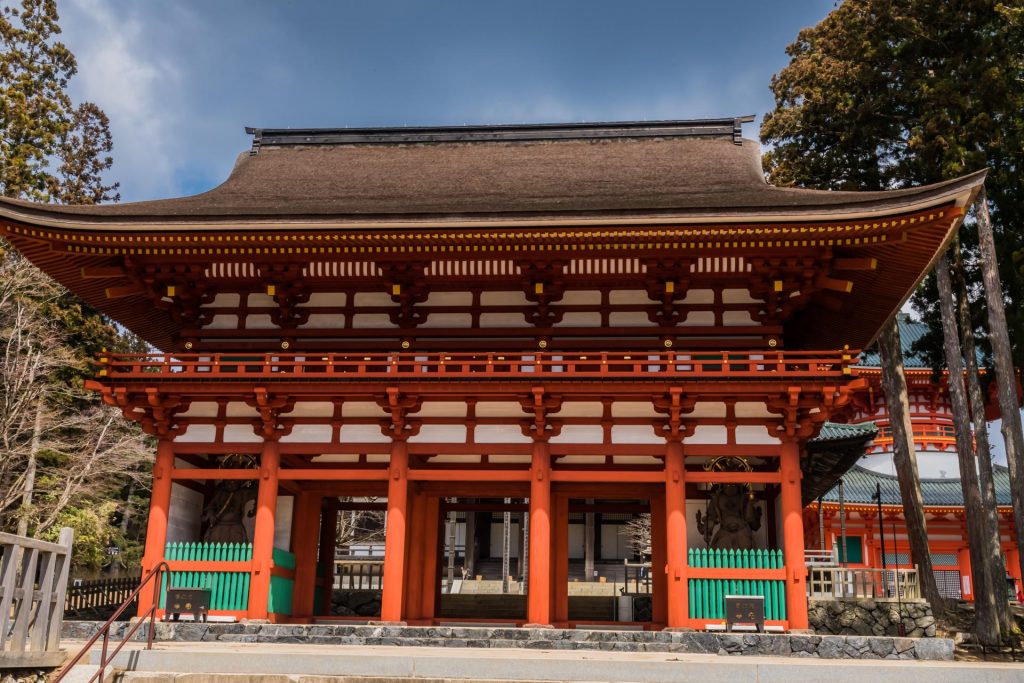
[783, 645]
[871, 618]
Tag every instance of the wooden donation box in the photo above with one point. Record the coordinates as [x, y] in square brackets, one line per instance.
[744, 609]
[188, 600]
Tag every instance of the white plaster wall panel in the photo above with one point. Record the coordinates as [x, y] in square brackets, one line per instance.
[442, 409]
[180, 464]
[241, 434]
[461, 320]
[503, 299]
[629, 319]
[577, 541]
[628, 296]
[312, 409]
[614, 542]
[259, 321]
[222, 322]
[752, 409]
[738, 296]
[240, 409]
[580, 434]
[636, 460]
[308, 434]
[336, 457]
[509, 459]
[580, 319]
[497, 539]
[460, 458]
[323, 321]
[185, 514]
[633, 409]
[499, 409]
[361, 409]
[378, 457]
[440, 434]
[283, 522]
[365, 321]
[261, 300]
[201, 409]
[449, 299]
[708, 434]
[737, 318]
[362, 434]
[699, 296]
[708, 409]
[500, 434]
[503, 320]
[581, 409]
[581, 460]
[635, 434]
[326, 299]
[699, 318]
[225, 300]
[198, 434]
[583, 297]
[373, 299]
[754, 434]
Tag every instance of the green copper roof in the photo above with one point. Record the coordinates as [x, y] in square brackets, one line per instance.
[834, 431]
[910, 332]
[859, 487]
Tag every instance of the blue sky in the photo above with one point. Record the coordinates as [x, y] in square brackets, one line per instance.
[179, 79]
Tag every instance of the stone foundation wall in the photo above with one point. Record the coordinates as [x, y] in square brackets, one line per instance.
[24, 675]
[871, 618]
[356, 603]
[695, 642]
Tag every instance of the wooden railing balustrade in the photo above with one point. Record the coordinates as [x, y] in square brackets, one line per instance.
[33, 580]
[837, 583]
[85, 598]
[361, 574]
[480, 366]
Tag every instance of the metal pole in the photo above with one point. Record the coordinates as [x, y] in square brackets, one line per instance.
[821, 524]
[881, 523]
[506, 541]
[842, 526]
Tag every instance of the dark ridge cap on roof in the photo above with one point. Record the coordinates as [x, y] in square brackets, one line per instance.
[731, 127]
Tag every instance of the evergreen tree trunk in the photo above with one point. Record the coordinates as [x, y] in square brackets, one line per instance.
[982, 450]
[986, 621]
[1006, 382]
[894, 384]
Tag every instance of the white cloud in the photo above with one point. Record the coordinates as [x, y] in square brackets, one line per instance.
[138, 90]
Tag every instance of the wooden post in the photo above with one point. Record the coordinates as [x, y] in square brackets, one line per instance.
[659, 583]
[431, 557]
[156, 528]
[538, 611]
[325, 560]
[793, 535]
[963, 559]
[305, 539]
[560, 560]
[263, 535]
[677, 588]
[392, 602]
[416, 556]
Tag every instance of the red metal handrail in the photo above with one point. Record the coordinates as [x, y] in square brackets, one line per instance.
[155, 575]
[482, 366]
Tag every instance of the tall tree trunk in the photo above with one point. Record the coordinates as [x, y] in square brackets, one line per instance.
[982, 449]
[894, 384]
[1006, 382]
[28, 488]
[986, 619]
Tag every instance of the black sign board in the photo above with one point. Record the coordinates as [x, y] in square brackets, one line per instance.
[744, 609]
[188, 600]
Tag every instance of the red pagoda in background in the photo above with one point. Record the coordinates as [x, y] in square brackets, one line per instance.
[546, 319]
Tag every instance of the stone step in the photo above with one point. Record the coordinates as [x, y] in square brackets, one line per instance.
[270, 663]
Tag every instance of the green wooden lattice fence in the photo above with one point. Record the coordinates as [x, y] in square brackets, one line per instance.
[707, 596]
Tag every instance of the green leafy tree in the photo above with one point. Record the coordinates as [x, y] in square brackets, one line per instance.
[65, 458]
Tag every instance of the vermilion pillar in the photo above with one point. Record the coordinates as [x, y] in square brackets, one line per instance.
[305, 539]
[963, 557]
[793, 535]
[263, 535]
[1013, 566]
[659, 603]
[677, 590]
[538, 609]
[328, 538]
[560, 560]
[416, 553]
[393, 598]
[159, 509]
